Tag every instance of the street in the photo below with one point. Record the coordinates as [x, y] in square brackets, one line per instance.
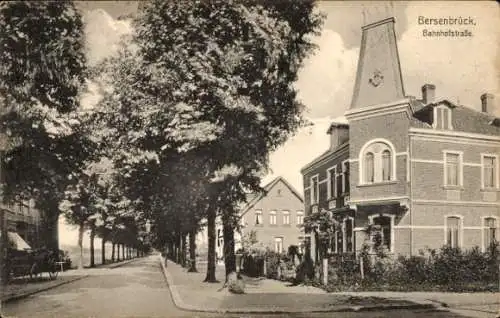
[138, 289]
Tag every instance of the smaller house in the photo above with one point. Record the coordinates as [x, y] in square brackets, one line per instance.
[275, 216]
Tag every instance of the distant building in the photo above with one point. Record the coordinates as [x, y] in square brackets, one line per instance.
[424, 172]
[275, 216]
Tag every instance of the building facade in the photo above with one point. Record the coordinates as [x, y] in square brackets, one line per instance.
[423, 172]
[275, 216]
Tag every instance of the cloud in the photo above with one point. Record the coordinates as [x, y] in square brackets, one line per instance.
[326, 80]
[103, 34]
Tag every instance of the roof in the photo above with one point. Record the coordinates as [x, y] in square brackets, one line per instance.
[324, 155]
[463, 119]
[256, 197]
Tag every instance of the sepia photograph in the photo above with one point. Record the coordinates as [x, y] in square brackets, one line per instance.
[249, 158]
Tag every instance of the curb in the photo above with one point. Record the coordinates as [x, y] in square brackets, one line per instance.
[36, 291]
[179, 303]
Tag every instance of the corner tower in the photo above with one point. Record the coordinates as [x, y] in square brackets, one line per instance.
[378, 77]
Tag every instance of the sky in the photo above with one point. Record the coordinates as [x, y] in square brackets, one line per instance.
[461, 68]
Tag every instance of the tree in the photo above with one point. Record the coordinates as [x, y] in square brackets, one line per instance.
[212, 81]
[323, 225]
[79, 206]
[42, 71]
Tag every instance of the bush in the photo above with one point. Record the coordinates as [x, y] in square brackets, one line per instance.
[449, 269]
[305, 270]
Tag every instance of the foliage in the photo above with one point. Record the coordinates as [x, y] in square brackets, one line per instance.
[449, 270]
[323, 225]
[305, 270]
[42, 71]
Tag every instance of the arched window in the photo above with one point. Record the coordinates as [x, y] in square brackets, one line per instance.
[369, 167]
[377, 162]
[386, 165]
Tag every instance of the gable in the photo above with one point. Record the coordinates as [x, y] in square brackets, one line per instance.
[278, 189]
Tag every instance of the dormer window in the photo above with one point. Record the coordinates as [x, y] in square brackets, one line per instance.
[442, 118]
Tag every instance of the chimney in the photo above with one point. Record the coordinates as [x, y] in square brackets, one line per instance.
[428, 93]
[487, 103]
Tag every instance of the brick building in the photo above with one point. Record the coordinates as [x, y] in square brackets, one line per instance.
[275, 216]
[424, 171]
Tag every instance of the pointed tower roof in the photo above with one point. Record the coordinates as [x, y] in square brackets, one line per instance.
[378, 77]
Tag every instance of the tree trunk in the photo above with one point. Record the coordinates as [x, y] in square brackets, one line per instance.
[123, 251]
[229, 257]
[192, 251]
[92, 250]
[118, 252]
[211, 217]
[103, 250]
[81, 230]
[179, 249]
[183, 250]
[113, 252]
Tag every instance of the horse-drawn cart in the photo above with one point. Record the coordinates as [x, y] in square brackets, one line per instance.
[22, 261]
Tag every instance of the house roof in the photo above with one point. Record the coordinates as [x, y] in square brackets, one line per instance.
[256, 197]
[463, 119]
[324, 155]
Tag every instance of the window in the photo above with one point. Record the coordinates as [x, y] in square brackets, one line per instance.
[386, 165]
[345, 176]
[377, 162]
[314, 190]
[382, 232]
[278, 244]
[369, 167]
[300, 217]
[286, 218]
[337, 241]
[220, 238]
[349, 235]
[332, 174]
[489, 173]
[453, 231]
[258, 217]
[442, 118]
[489, 231]
[453, 169]
[272, 218]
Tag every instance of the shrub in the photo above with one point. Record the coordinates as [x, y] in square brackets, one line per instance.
[305, 270]
[449, 269]
[272, 264]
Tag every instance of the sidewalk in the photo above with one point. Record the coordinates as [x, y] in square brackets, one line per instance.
[24, 287]
[479, 305]
[267, 296]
